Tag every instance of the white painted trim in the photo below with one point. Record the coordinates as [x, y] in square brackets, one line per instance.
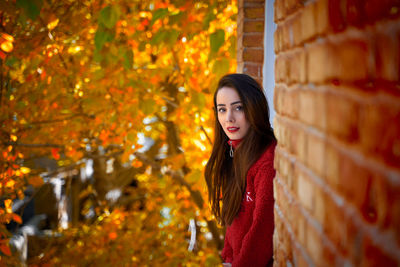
[269, 57]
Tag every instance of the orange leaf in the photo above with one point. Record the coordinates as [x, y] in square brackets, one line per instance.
[112, 235]
[36, 181]
[54, 152]
[5, 249]
[17, 218]
[7, 37]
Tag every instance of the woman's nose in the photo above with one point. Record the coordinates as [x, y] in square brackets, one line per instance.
[229, 116]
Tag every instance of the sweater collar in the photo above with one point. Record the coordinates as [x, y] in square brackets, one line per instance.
[234, 143]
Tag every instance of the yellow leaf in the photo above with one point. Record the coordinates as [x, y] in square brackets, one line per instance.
[7, 46]
[7, 205]
[53, 24]
[25, 170]
[10, 183]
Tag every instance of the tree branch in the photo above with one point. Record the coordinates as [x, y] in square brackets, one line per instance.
[204, 131]
[196, 196]
[32, 145]
[60, 119]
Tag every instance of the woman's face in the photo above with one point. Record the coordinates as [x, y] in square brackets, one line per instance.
[231, 113]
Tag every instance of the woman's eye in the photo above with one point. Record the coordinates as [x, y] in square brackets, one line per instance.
[221, 110]
[239, 108]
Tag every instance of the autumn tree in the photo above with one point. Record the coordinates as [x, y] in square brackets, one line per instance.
[92, 79]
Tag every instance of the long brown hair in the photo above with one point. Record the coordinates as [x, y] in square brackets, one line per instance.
[226, 176]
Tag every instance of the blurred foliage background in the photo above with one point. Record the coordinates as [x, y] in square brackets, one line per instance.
[106, 126]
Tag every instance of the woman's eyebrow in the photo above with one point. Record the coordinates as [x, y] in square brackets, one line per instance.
[236, 102]
[233, 103]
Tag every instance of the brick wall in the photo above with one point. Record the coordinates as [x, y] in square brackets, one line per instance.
[337, 98]
[250, 34]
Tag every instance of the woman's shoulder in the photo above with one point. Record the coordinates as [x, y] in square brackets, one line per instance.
[266, 158]
[268, 154]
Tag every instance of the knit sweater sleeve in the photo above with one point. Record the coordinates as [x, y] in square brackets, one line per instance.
[257, 243]
[227, 252]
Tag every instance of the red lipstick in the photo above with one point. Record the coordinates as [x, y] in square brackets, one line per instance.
[233, 129]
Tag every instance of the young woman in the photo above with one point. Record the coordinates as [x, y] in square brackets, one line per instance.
[240, 171]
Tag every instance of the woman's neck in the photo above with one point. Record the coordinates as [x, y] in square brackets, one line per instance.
[234, 143]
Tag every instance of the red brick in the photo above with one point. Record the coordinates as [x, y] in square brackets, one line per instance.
[336, 18]
[305, 191]
[393, 217]
[282, 102]
[285, 38]
[253, 55]
[319, 55]
[281, 69]
[344, 62]
[286, 171]
[279, 10]
[253, 26]
[253, 40]
[314, 245]
[296, 138]
[307, 107]
[285, 134]
[278, 129]
[278, 41]
[355, 13]
[299, 260]
[381, 199]
[332, 172]
[254, 70]
[378, 9]
[301, 149]
[315, 154]
[300, 227]
[380, 131]
[279, 257]
[291, 6]
[254, 12]
[297, 67]
[277, 195]
[342, 117]
[297, 31]
[292, 100]
[353, 63]
[287, 248]
[279, 164]
[287, 102]
[319, 210]
[322, 16]
[291, 179]
[340, 229]
[387, 57]
[354, 190]
[329, 256]
[307, 23]
[373, 255]
[278, 99]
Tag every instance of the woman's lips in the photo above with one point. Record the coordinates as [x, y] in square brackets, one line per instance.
[233, 129]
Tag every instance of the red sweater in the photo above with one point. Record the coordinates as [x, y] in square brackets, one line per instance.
[248, 240]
